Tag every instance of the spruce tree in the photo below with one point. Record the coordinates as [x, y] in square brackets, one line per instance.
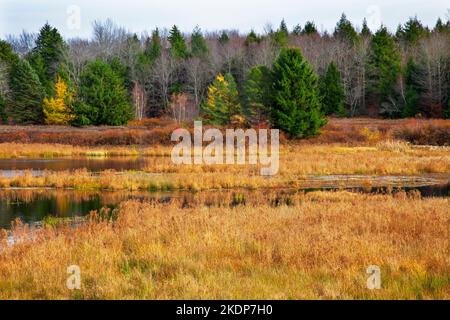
[365, 31]
[7, 59]
[447, 111]
[222, 102]
[178, 44]
[257, 94]
[199, 47]
[310, 28]
[103, 98]
[297, 30]
[25, 103]
[296, 107]
[332, 91]
[413, 89]
[412, 31]
[4, 88]
[46, 57]
[153, 49]
[252, 38]
[384, 68]
[281, 36]
[344, 30]
[224, 38]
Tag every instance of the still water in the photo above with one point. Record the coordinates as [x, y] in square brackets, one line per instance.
[33, 205]
[13, 167]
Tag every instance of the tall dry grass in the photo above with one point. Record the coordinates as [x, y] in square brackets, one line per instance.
[319, 246]
[297, 164]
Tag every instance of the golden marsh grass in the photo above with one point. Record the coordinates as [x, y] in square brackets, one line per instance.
[319, 246]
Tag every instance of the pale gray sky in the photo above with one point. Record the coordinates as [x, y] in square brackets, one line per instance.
[141, 15]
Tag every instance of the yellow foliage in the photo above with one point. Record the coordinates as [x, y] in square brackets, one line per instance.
[57, 109]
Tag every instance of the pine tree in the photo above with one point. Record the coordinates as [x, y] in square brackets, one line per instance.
[224, 38]
[296, 106]
[58, 109]
[252, 38]
[153, 50]
[46, 57]
[297, 30]
[7, 54]
[7, 59]
[412, 31]
[222, 102]
[4, 88]
[441, 27]
[332, 91]
[257, 94]
[103, 98]
[344, 30]
[310, 28]
[25, 103]
[199, 47]
[178, 44]
[413, 89]
[447, 111]
[281, 36]
[365, 31]
[384, 68]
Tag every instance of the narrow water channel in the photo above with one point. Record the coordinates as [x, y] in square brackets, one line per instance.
[33, 205]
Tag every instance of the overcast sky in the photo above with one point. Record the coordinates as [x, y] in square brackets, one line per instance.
[74, 17]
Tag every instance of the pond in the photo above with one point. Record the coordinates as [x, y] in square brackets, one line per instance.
[33, 205]
[14, 167]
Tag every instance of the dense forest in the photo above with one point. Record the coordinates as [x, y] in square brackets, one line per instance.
[287, 78]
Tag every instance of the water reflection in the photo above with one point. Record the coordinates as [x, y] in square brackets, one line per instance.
[32, 205]
[14, 167]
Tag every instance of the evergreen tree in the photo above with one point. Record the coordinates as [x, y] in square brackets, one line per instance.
[281, 36]
[46, 57]
[178, 44]
[365, 31]
[58, 109]
[310, 28]
[7, 59]
[447, 111]
[252, 38]
[257, 94]
[296, 105]
[199, 47]
[7, 54]
[441, 27]
[297, 30]
[153, 49]
[412, 31]
[413, 90]
[25, 103]
[4, 88]
[222, 102]
[103, 98]
[384, 68]
[344, 30]
[332, 91]
[224, 38]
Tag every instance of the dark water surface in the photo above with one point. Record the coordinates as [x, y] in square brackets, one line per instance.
[33, 205]
[13, 167]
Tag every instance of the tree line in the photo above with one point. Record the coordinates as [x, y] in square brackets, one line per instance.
[288, 78]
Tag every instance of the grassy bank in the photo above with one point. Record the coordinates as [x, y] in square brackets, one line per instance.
[353, 131]
[296, 164]
[317, 247]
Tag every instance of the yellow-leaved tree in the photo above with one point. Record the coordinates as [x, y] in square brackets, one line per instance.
[222, 105]
[58, 109]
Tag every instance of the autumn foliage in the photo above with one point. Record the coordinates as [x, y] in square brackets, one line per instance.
[57, 109]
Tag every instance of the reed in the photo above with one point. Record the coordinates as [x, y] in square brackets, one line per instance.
[319, 245]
